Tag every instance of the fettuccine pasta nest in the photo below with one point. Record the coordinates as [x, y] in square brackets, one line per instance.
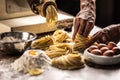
[42, 43]
[80, 42]
[70, 61]
[61, 49]
[61, 36]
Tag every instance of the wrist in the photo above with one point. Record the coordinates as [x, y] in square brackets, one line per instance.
[87, 14]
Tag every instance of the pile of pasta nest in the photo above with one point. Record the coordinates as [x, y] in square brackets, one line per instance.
[57, 50]
[62, 51]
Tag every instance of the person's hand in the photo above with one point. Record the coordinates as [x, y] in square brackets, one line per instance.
[110, 33]
[84, 22]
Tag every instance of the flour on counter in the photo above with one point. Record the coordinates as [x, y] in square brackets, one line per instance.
[31, 59]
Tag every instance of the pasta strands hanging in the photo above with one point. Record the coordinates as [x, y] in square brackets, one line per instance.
[51, 15]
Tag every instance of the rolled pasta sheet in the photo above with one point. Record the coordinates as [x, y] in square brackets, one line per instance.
[42, 43]
[70, 61]
[59, 49]
[61, 36]
[80, 42]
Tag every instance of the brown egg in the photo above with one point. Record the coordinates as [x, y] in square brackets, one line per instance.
[111, 45]
[103, 49]
[101, 45]
[108, 53]
[116, 50]
[96, 52]
[92, 48]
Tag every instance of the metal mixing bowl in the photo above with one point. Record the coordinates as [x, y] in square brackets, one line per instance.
[15, 42]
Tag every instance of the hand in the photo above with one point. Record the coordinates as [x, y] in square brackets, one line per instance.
[110, 33]
[84, 23]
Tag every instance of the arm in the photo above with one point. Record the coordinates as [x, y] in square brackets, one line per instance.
[110, 33]
[113, 33]
[88, 9]
[85, 19]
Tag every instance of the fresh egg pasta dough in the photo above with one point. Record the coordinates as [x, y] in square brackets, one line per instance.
[59, 49]
[42, 43]
[51, 15]
[80, 42]
[61, 36]
[70, 61]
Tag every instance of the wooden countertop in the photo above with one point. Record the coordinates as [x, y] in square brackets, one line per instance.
[34, 24]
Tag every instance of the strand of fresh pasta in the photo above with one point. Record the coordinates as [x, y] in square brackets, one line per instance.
[51, 15]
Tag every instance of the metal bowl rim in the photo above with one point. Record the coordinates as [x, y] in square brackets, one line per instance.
[99, 56]
[34, 37]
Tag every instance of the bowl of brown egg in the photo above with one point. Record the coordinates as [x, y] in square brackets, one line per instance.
[103, 54]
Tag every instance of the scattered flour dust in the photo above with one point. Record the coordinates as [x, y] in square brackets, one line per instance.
[8, 73]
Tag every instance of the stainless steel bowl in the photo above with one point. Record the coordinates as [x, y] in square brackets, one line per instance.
[15, 42]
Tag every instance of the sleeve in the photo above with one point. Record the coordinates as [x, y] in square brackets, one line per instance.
[88, 7]
[113, 32]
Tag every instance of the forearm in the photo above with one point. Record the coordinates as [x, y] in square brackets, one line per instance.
[114, 32]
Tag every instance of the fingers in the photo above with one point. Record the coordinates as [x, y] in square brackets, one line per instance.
[76, 26]
[82, 26]
[94, 38]
[104, 39]
[89, 26]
